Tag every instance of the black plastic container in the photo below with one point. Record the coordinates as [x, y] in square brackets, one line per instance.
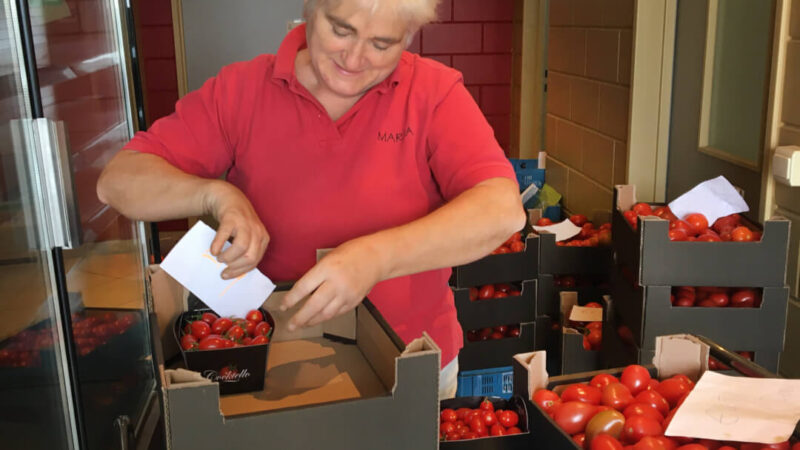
[503, 268]
[521, 441]
[236, 369]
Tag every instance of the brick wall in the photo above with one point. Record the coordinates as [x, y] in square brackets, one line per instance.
[475, 37]
[589, 68]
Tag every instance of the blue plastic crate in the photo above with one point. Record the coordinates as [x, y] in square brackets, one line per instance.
[497, 382]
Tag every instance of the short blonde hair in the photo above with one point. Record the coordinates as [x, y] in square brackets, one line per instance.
[415, 12]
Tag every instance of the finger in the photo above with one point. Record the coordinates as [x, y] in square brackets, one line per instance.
[223, 233]
[247, 261]
[239, 246]
[313, 306]
[331, 310]
[302, 288]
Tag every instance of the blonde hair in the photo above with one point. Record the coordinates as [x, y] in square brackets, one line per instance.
[415, 12]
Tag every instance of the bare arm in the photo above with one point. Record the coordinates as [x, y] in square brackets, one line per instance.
[146, 187]
[465, 229]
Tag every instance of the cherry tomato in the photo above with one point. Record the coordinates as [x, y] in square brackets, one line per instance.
[604, 442]
[582, 393]
[461, 413]
[743, 298]
[487, 405]
[573, 416]
[188, 342]
[602, 380]
[211, 342]
[635, 378]
[642, 209]
[617, 396]
[545, 398]
[254, 315]
[260, 339]
[741, 234]
[637, 427]
[697, 222]
[508, 418]
[199, 329]
[221, 325]
[477, 425]
[209, 317]
[497, 430]
[262, 329]
[485, 292]
[513, 430]
[448, 415]
[488, 417]
[235, 333]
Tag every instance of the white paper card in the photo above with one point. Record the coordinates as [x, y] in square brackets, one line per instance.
[739, 409]
[713, 198]
[563, 230]
[584, 314]
[190, 262]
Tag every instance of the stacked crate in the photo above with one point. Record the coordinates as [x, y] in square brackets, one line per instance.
[485, 365]
[648, 265]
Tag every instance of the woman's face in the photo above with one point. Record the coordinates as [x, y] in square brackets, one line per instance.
[353, 48]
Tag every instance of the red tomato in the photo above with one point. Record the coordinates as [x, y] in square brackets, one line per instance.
[741, 234]
[209, 317]
[262, 329]
[643, 409]
[473, 294]
[642, 209]
[637, 427]
[730, 221]
[486, 292]
[545, 398]
[578, 219]
[595, 338]
[604, 441]
[604, 237]
[497, 430]
[635, 378]
[235, 333]
[672, 390]
[200, 329]
[593, 305]
[508, 418]
[692, 447]
[573, 416]
[221, 325]
[461, 413]
[796, 446]
[254, 315]
[260, 339]
[513, 331]
[488, 417]
[448, 415]
[684, 301]
[751, 446]
[212, 342]
[487, 405]
[446, 427]
[630, 216]
[249, 327]
[496, 335]
[582, 393]
[594, 326]
[477, 425]
[188, 342]
[617, 396]
[499, 294]
[602, 380]
[543, 222]
[677, 235]
[650, 443]
[655, 400]
[516, 237]
[501, 250]
[697, 222]
[718, 299]
[516, 246]
[513, 430]
[744, 298]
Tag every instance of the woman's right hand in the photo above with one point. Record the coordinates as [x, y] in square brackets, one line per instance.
[238, 220]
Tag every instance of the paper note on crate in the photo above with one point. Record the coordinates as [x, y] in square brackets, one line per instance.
[586, 314]
[713, 198]
[729, 408]
[563, 230]
[190, 262]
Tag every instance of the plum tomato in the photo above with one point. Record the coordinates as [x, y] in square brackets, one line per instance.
[602, 380]
[545, 398]
[605, 422]
[744, 298]
[573, 416]
[617, 396]
[642, 209]
[653, 399]
[582, 393]
[637, 427]
[605, 442]
[635, 378]
[672, 389]
[643, 409]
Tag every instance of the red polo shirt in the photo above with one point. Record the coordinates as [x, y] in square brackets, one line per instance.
[411, 143]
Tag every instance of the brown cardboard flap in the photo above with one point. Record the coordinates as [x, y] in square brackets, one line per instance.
[308, 372]
[534, 362]
[377, 346]
[567, 299]
[169, 300]
[534, 215]
[680, 353]
[177, 378]
[626, 196]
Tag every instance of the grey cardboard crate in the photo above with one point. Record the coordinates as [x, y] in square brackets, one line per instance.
[555, 259]
[574, 358]
[498, 353]
[496, 311]
[499, 268]
[660, 262]
[649, 313]
[547, 297]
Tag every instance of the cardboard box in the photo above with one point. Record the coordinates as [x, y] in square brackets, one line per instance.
[660, 262]
[676, 354]
[547, 299]
[573, 357]
[521, 441]
[647, 311]
[508, 267]
[616, 352]
[320, 392]
[496, 311]
[498, 353]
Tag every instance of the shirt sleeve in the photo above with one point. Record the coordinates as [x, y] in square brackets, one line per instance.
[197, 137]
[462, 148]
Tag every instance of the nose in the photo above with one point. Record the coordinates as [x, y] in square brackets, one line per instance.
[353, 57]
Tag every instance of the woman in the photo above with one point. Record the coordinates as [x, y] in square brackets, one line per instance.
[341, 140]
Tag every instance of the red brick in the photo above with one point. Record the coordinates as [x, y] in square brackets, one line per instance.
[156, 42]
[451, 38]
[498, 37]
[160, 104]
[414, 46]
[475, 91]
[502, 129]
[496, 99]
[160, 75]
[447, 60]
[155, 12]
[484, 69]
[483, 10]
[444, 13]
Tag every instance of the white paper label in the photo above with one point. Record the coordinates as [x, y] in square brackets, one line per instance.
[713, 198]
[563, 230]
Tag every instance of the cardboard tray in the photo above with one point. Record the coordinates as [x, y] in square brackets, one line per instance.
[661, 262]
[648, 312]
[499, 268]
[520, 441]
[500, 352]
[547, 299]
[496, 311]
[355, 392]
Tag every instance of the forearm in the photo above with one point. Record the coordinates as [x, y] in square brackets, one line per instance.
[146, 187]
[465, 229]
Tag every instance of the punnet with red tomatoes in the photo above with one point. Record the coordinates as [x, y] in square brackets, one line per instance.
[664, 250]
[478, 423]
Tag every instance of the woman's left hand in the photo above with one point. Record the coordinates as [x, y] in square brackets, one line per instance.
[336, 284]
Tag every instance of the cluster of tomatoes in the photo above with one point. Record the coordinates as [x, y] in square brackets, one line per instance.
[715, 364]
[467, 423]
[629, 412]
[592, 331]
[513, 244]
[90, 330]
[490, 333]
[706, 296]
[694, 227]
[210, 332]
[490, 291]
[589, 236]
